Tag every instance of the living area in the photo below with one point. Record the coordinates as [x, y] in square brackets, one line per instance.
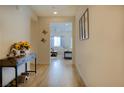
[61, 40]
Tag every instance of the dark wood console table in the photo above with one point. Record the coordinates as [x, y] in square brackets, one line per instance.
[15, 62]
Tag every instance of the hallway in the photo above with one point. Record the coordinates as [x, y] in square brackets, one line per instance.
[96, 45]
[60, 73]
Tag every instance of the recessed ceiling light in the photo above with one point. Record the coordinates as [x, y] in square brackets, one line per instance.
[55, 12]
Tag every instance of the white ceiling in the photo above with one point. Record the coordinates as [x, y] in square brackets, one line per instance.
[63, 10]
[66, 26]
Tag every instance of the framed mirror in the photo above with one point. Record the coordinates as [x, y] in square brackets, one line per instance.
[84, 25]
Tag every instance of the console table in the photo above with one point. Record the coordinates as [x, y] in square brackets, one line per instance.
[15, 62]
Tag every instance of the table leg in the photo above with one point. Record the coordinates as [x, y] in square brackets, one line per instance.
[16, 76]
[1, 77]
[35, 65]
[25, 67]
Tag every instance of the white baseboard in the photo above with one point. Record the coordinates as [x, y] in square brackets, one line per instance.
[83, 78]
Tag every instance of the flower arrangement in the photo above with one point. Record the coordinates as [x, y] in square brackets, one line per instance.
[22, 45]
[19, 48]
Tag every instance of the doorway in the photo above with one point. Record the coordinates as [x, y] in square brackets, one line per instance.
[61, 41]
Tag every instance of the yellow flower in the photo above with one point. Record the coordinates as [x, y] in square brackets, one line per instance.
[25, 44]
[17, 46]
[22, 44]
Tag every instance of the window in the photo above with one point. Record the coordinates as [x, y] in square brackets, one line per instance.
[57, 41]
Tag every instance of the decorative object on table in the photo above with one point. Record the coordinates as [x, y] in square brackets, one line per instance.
[21, 79]
[26, 74]
[44, 32]
[19, 49]
[84, 25]
[43, 40]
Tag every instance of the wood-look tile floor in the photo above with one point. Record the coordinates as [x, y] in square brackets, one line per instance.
[59, 73]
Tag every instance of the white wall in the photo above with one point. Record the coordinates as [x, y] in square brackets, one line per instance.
[100, 59]
[14, 27]
[34, 36]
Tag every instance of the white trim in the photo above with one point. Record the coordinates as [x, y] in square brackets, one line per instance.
[82, 76]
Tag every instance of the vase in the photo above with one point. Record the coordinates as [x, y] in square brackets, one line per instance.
[22, 53]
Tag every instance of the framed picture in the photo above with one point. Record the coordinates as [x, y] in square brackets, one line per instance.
[84, 25]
